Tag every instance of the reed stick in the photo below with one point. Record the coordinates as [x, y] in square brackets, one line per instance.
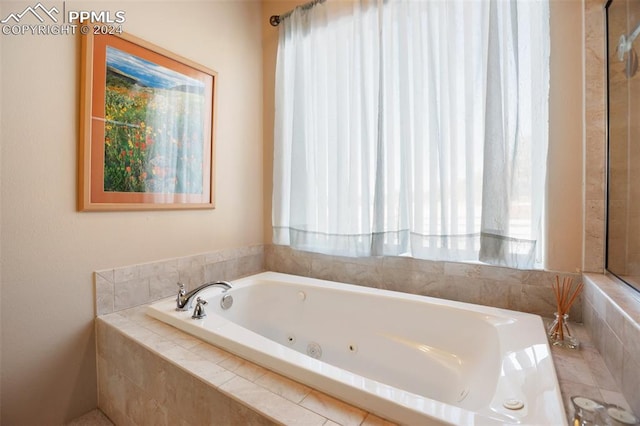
[565, 294]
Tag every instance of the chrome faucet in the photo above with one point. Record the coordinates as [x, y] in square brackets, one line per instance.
[184, 299]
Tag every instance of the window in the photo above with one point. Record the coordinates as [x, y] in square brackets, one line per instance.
[413, 128]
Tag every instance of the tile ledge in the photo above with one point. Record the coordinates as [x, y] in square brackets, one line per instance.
[620, 295]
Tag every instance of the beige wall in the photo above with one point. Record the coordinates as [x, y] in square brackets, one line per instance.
[49, 250]
[1, 227]
[564, 198]
[564, 175]
[594, 137]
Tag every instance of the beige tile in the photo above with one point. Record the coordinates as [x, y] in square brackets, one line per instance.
[153, 414]
[613, 354]
[598, 330]
[131, 293]
[274, 406]
[114, 320]
[191, 271]
[333, 409]
[582, 334]
[631, 339]
[571, 367]
[599, 302]
[373, 420]
[113, 385]
[158, 269]
[462, 269]
[213, 257]
[107, 274]
[133, 362]
[210, 352]
[284, 259]
[178, 355]
[412, 264]
[160, 327]
[256, 249]
[230, 269]
[164, 285]
[214, 271]
[133, 331]
[547, 278]
[243, 368]
[161, 380]
[474, 290]
[175, 419]
[177, 337]
[333, 268]
[136, 315]
[141, 409]
[504, 275]
[127, 273]
[178, 390]
[286, 388]
[515, 294]
[92, 418]
[594, 235]
[631, 382]
[117, 416]
[185, 340]
[412, 281]
[539, 300]
[493, 293]
[601, 375]
[570, 389]
[197, 365]
[250, 265]
[105, 297]
[615, 398]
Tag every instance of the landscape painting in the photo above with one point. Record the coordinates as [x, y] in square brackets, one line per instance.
[151, 129]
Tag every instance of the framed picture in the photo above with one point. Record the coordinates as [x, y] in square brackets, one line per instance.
[147, 119]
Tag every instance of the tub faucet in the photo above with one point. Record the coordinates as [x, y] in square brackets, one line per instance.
[184, 299]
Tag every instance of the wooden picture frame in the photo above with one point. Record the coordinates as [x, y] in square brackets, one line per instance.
[147, 120]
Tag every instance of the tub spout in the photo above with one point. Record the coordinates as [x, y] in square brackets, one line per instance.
[184, 299]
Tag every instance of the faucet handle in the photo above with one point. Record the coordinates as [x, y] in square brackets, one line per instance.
[181, 298]
[198, 311]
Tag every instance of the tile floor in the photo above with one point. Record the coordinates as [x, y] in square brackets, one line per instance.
[92, 418]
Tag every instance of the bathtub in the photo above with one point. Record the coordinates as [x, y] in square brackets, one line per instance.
[410, 359]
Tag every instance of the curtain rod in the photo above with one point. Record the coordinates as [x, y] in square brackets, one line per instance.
[275, 20]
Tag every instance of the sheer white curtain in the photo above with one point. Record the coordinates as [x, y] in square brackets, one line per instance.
[413, 128]
[326, 128]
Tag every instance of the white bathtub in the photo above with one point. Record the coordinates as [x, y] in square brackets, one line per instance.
[411, 359]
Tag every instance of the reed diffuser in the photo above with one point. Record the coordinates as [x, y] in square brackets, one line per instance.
[566, 293]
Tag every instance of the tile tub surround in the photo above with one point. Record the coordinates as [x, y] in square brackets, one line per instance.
[525, 291]
[612, 317]
[125, 287]
[519, 290]
[149, 371]
[583, 372]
